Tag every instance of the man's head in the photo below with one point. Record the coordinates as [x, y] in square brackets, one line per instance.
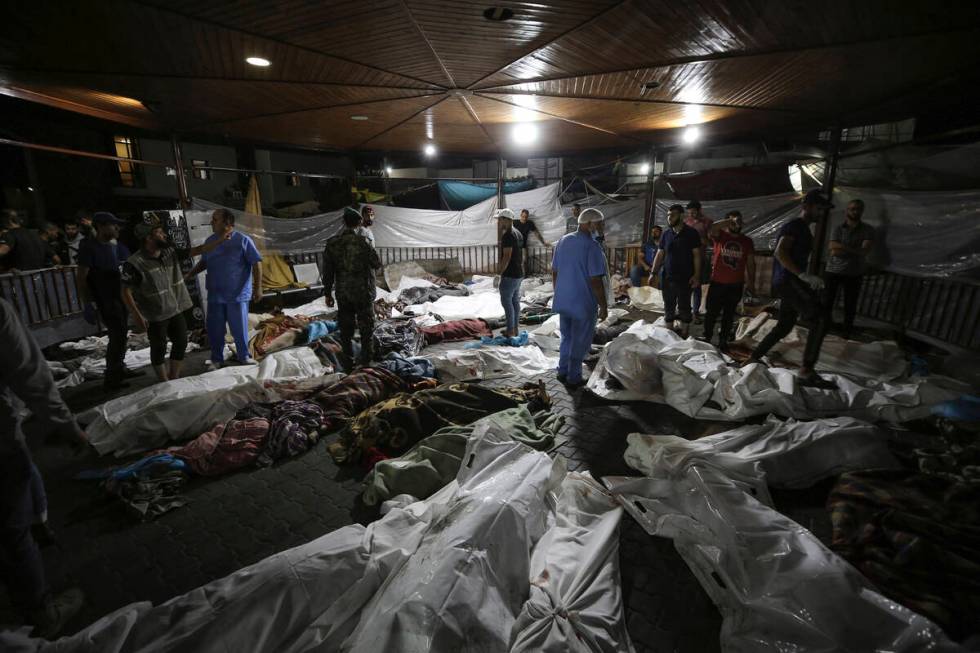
[107, 225]
[222, 221]
[150, 236]
[525, 214]
[815, 205]
[737, 224]
[352, 218]
[50, 231]
[675, 215]
[505, 219]
[576, 210]
[694, 209]
[71, 229]
[656, 231]
[367, 216]
[9, 219]
[855, 209]
[590, 219]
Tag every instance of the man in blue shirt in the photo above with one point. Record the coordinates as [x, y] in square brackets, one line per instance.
[99, 281]
[680, 258]
[797, 290]
[234, 277]
[577, 268]
[642, 268]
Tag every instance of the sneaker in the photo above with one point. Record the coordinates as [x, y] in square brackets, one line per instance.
[248, 361]
[56, 611]
[210, 366]
[816, 381]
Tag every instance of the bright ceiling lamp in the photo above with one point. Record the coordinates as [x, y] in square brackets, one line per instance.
[525, 133]
[388, 170]
[258, 61]
[644, 168]
[691, 135]
[429, 149]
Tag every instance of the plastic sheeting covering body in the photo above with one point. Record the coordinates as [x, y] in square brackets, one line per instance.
[452, 573]
[777, 586]
[652, 363]
[184, 408]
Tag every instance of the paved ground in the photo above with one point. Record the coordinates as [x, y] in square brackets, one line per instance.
[239, 519]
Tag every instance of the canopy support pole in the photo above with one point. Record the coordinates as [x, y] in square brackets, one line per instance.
[828, 190]
[179, 168]
[650, 207]
[501, 202]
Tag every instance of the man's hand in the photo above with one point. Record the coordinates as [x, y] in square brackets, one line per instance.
[328, 300]
[812, 280]
[654, 280]
[256, 295]
[694, 283]
[89, 313]
[141, 324]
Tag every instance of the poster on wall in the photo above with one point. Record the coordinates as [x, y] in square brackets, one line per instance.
[175, 226]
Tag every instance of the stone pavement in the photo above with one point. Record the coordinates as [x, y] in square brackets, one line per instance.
[236, 520]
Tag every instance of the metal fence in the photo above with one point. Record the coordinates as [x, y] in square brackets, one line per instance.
[42, 296]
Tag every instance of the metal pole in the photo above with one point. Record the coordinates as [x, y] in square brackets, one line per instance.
[828, 190]
[387, 179]
[179, 167]
[501, 200]
[650, 209]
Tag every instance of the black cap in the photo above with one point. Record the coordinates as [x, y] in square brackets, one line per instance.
[694, 204]
[816, 197]
[104, 217]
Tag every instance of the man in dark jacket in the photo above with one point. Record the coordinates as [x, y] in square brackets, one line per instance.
[22, 248]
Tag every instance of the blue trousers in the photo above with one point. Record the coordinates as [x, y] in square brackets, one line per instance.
[235, 315]
[576, 341]
[510, 298]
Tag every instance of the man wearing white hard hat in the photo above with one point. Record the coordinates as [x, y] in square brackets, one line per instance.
[510, 268]
[577, 269]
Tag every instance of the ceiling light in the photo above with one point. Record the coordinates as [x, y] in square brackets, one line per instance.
[388, 170]
[525, 133]
[30, 189]
[358, 117]
[429, 149]
[498, 13]
[258, 61]
[691, 135]
[644, 168]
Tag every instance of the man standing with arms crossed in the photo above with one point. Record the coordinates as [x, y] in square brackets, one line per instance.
[680, 257]
[577, 269]
[849, 247]
[732, 271]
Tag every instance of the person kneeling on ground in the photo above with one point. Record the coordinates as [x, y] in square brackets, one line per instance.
[350, 262]
[798, 291]
[156, 294]
[680, 257]
[577, 269]
[732, 271]
[510, 269]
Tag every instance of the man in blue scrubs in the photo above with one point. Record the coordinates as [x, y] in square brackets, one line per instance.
[577, 269]
[234, 277]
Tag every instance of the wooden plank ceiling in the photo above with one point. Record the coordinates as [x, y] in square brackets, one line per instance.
[438, 71]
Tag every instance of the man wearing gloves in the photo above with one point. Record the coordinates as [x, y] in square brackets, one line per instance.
[577, 269]
[798, 291]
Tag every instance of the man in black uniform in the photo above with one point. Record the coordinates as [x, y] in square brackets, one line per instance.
[350, 262]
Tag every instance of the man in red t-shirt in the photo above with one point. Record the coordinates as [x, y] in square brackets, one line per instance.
[732, 271]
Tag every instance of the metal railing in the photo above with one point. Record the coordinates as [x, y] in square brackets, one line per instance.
[42, 296]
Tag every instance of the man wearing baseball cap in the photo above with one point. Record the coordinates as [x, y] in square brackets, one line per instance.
[100, 288]
[799, 291]
[510, 268]
[577, 268]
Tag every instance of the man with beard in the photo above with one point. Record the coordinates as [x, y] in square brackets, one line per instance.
[680, 257]
[849, 246]
[367, 219]
[732, 271]
[155, 292]
[797, 290]
[697, 220]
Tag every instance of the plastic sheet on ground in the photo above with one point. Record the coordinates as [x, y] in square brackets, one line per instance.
[776, 585]
[93, 367]
[881, 360]
[482, 305]
[647, 298]
[651, 363]
[452, 573]
[315, 308]
[491, 362]
[547, 335]
[179, 410]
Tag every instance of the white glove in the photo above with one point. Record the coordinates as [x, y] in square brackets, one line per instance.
[812, 280]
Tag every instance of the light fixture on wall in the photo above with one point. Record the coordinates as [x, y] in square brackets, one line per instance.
[644, 168]
[524, 133]
[691, 135]
[429, 149]
[388, 170]
[358, 117]
[258, 61]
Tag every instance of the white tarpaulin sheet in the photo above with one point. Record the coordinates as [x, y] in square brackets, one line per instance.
[451, 573]
[653, 363]
[482, 305]
[491, 362]
[647, 298]
[184, 408]
[401, 227]
[776, 585]
[880, 360]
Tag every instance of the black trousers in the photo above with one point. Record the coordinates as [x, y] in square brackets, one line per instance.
[21, 567]
[677, 300]
[797, 300]
[851, 284]
[114, 318]
[723, 299]
[360, 316]
[174, 328]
